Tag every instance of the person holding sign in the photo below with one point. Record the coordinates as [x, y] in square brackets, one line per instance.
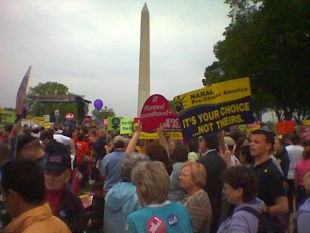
[214, 164]
[155, 151]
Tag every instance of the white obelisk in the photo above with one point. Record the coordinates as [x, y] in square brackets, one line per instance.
[144, 64]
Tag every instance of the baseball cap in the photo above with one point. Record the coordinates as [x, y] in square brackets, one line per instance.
[118, 138]
[229, 141]
[58, 163]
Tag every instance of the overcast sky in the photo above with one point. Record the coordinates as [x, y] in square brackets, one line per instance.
[92, 46]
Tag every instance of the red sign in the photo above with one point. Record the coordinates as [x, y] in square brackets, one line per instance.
[172, 123]
[105, 123]
[305, 133]
[88, 120]
[285, 127]
[70, 116]
[154, 112]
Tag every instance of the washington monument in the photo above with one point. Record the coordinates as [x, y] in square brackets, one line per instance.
[144, 63]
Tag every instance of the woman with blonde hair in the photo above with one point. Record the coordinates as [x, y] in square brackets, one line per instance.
[158, 215]
[192, 179]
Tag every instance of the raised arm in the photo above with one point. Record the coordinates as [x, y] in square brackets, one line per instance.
[133, 141]
[226, 156]
[161, 138]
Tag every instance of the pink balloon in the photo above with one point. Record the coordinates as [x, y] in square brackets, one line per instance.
[98, 104]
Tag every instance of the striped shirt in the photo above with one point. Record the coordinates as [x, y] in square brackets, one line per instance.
[199, 208]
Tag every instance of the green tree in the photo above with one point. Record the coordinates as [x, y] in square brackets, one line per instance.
[103, 113]
[269, 42]
[39, 108]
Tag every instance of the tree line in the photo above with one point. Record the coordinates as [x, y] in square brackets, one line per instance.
[269, 42]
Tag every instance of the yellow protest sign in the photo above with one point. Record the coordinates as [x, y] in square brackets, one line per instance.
[126, 126]
[214, 107]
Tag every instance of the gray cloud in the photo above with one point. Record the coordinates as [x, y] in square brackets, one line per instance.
[92, 47]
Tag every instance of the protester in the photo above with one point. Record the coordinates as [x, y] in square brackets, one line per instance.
[4, 153]
[4, 157]
[214, 164]
[82, 153]
[193, 180]
[192, 146]
[6, 132]
[110, 165]
[64, 204]
[31, 148]
[282, 155]
[98, 147]
[240, 142]
[303, 214]
[97, 142]
[172, 143]
[22, 189]
[246, 158]
[302, 167]
[271, 182]
[95, 212]
[241, 189]
[67, 141]
[231, 146]
[159, 214]
[122, 198]
[51, 145]
[155, 151]
[295, 154]
[178, 157]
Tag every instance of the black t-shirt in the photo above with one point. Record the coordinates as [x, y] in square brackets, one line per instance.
[271, 181]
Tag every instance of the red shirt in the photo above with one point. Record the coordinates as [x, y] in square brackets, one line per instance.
[82, 149]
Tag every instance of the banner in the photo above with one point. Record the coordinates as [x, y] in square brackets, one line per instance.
[214, 107]
[126, 126]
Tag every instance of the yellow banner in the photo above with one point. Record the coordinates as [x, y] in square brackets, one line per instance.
[175, 135]
[216, 93]
[306, 122]
[145, 135]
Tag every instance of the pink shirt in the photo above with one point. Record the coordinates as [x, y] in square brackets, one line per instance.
[302, 167]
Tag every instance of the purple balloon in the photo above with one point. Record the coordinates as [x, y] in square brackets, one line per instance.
[98, 104]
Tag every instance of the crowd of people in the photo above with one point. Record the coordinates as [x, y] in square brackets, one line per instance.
[162, 185]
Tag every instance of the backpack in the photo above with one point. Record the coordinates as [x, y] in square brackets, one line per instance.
[262, 221]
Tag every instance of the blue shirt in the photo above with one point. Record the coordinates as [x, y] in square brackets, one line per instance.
[110, 168]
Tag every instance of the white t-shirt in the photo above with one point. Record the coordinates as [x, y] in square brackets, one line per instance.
[62, 139]
[295, 154]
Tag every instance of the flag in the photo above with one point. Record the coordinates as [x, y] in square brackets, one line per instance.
[20, 98]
